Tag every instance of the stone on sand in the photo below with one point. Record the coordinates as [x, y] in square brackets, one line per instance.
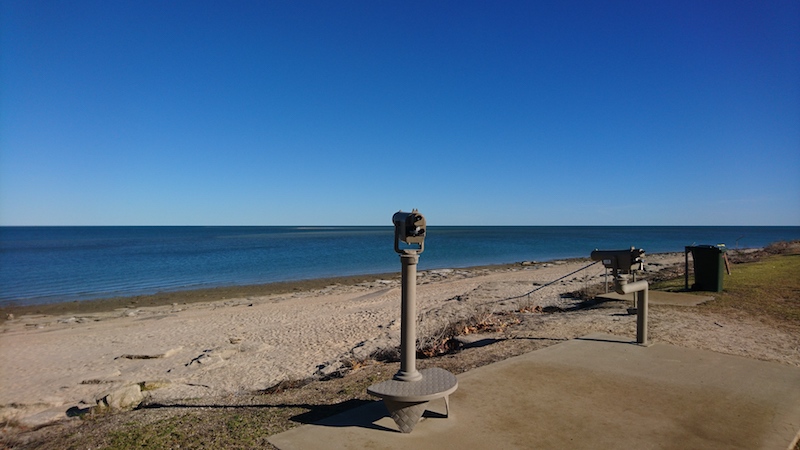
[125, 397]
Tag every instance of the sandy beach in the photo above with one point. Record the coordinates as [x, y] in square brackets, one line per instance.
[61, 361]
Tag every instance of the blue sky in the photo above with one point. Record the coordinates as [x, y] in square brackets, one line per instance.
[341, 113]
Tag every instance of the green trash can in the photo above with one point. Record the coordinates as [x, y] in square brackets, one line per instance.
[709, 267]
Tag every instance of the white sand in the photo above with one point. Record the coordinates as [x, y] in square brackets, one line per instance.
[50, 364]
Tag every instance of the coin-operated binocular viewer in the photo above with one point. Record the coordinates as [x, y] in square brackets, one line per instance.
[409, 391]
[623, 263]
[409, 228]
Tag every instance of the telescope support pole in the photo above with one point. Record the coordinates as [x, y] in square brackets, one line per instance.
[641, 316]
[408, 331]
[641, 288]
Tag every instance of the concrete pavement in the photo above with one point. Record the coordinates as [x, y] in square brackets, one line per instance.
[599, 391]
[661, 298]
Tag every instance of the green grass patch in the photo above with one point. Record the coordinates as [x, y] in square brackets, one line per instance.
[169, 433]
[230, 428]
[768, 290]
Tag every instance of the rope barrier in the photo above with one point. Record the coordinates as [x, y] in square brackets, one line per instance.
[542, 286]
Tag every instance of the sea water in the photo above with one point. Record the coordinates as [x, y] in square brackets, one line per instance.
[54, 264]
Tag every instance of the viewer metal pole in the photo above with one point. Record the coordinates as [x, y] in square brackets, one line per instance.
[408, 331]
[641, 317]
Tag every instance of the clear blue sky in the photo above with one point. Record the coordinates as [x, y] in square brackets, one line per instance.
[343, 112]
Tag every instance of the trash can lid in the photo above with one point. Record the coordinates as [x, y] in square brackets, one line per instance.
[720, 247]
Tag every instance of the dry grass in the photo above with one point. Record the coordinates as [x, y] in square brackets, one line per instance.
[445, 342]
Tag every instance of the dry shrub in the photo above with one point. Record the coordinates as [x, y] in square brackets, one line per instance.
[438, 348]
[775, 248]
[530, 308]
[353, 364]
[286, 385]
[741, 257]
[494, 323]
[386, 354]
[444, 341]
[588, 292]
[783, 248]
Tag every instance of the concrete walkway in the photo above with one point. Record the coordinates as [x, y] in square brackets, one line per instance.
[598, 392]
[662, 298]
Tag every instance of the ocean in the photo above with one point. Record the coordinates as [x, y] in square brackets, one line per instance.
[56, 264]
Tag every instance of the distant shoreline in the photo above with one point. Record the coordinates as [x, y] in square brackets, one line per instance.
[220, 293]
[40, 267]
[213, 294]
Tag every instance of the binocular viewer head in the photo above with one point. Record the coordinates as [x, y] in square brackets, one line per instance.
[409, 227]
[621, 261]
